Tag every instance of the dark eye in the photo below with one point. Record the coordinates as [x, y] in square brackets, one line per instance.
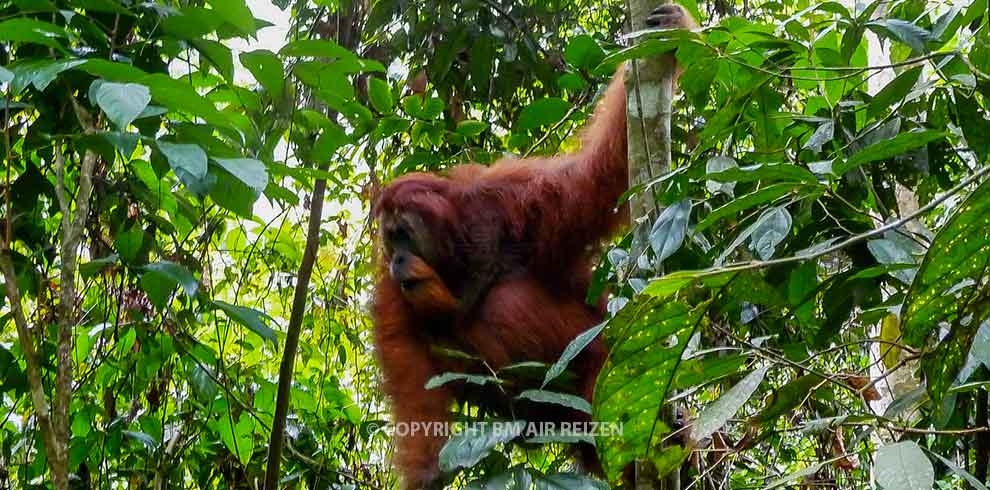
[399, 238]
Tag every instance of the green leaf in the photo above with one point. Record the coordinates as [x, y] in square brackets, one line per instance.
[6, 75]
[238, 438]
[218, 55]
[898, 145]
[797, 475]
[125, 143]
[822, 135]
[668, 231]
[569, 481]
[176, 273]
[28, 30]
[12, 377]
[648, 48]
[954, 263]
[893, 92]
[380, 95]
[583, 52]
[572, 82]
[543, 112]
[266, 69]
[791, 396]
[180, 96]
[765, 174]
[250, 171]
[237, 13]
[572, 350]
[761, 196]
[185, 159]
[149, 442]
[903, 31]
[902, 466]
[562, 399]
[715, 415]
[965, 475]
[467, 448]
[93, 267]
[253, 319]
[442, 379]
[647, 338]
[470, 128]
[39, 73]
[316, 49]
[128, 243]
[122, 102]
[890, 252]
[770, 230]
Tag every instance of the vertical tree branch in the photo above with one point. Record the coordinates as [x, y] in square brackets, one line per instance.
[299, 298]
[649, 93]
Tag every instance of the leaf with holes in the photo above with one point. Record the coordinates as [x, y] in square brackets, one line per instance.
[958, 256]
[647, 338]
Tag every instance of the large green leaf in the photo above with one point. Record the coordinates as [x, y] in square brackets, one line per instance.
[571, 351]
[160, 279]
[903, 466]
[562, 399]
[185, 159]
[28, 30]
[668, 231]
[715, 415]
[237, 13]
[467, 448]
[893, 147]
[543, 112]
[239, 437]
[250, 171]
[956, 261]
[647, 338]
[893, 92]
[122, 102]
[583, 52]
[266, 68]
[39, 73]
[380, 95]
[251, 318]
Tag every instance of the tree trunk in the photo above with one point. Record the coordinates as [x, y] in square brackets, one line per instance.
[649, 93]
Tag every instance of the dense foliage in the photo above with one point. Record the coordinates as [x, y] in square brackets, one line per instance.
[814, 299]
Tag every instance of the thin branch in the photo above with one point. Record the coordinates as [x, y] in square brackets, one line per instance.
[759, 264]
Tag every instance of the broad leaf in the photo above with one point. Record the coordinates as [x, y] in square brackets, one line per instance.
[714, 416]
[562, 399]
[956, 259]
[122, 102]
[543, 112]
[647, 339]
[470, 446]
[250, 171]
[903, 466]
[251, 318]
[669, 229]
[266, 69]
